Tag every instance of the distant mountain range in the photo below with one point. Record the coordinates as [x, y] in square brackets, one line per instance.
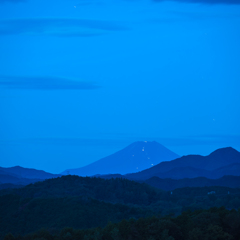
[186, 171]
[134, 158]
[30, 173]
[224, 161]
[9, 186]
[5, 178]
[168, 184]
[23, 176]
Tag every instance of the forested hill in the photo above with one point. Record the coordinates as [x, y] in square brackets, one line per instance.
[110, 190]
[212, 224]
[116, 190]
[171, 184]
[92, 202]
[22, 216]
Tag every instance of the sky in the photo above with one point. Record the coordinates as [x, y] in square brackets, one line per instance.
[82, 79]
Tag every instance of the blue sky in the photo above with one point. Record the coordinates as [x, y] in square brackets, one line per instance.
[82, 79]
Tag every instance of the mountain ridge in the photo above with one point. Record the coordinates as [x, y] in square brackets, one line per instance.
[133, 158]
[168, 184]
[220, 158]
[29, 173]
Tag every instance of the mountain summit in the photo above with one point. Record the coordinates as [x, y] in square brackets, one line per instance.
[223, 161]
[134, 158]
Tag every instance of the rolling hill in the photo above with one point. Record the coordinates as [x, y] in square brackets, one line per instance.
[30, 173]
[171, 184]
[84, 202]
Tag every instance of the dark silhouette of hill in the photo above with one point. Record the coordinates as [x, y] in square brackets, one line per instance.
[109, 176]
[2, 172]
[232, 169]
[186, 172]
[86, 202]
[5, 178]
[135, 157]
[23, 216]
[73, 201]
[211, 166]
[111, 190]
[29, 173]
[171, 184]
[211, 224]
[190, 172]
[9, 185]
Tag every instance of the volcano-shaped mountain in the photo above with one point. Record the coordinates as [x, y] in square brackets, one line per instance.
[135, 157]
[221, 162]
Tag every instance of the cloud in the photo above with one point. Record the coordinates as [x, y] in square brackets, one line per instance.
[205, 1]
[44, 83]
[58, 27]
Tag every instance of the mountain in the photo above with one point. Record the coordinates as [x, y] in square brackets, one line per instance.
[87, 202]
[79, 203]
[29, 173]
[9, 185]
[5, 178]
[185, 172]
[136, 157]
[171, 184]
[219, 163]
[232, 169]
[72, 201]
[109, 190]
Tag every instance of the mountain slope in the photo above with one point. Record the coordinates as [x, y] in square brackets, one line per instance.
[136, 157]
[91, 202]
[23, 216]
[220, 158]
[29, 173]
[171, 184]
[232, 169]
[5, 178]
[9, 185]
[112, 190]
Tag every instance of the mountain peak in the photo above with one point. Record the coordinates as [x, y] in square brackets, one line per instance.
[224, 151]
[145, 143]
[133, 158]
[195, 165]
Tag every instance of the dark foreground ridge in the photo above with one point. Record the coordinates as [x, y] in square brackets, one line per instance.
[212, 224]
[112, 190]
[84, 202]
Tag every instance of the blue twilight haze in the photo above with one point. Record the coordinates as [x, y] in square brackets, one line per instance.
[82, 79]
